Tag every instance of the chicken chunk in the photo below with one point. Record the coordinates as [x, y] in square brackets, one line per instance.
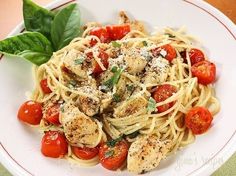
[76, 63]
[131, 106]
[88, 105]
[135, 63]
[80, 130]
[146, 153]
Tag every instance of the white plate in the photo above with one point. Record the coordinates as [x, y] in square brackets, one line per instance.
[20, 144]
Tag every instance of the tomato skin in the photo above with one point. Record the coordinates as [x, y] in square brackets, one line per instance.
[30, 112]
[101, 33]
[117, 32]
[52, 114]
[196, 56]
[170, 52]
[205, 71]
[54, 144]
[198, 119]
[44, 86]
[162, 93]
[85, 153]
[120, 151]
[104, 59]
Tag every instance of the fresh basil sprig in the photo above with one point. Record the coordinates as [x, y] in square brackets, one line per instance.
[47, 32]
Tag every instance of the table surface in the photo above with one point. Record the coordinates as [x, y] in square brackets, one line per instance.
[12, 8]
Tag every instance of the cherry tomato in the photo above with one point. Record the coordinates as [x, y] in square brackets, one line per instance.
[104, 59]
[52, 114]
[117, 32]
[162, 93]
[44, 86]
[101, 33]
[196, 56]
[198, 119]
[54, 144]
[113, 157]
[205, 71]
[170, 52]
[85, 153]
[30, 112]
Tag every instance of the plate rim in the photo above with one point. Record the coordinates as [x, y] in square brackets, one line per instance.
[225, 152]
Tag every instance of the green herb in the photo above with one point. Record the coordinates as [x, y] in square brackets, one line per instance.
[79, 61]
[37, 19]
[32, 46]
[170, 35]
[66, 26]
[116, 97]
[151, 105]
[114, 69]
[145, 43]
[109, 153]
[113, 80]
[62, 108]
[72, 84]
[130, 88]
[113, 142]
[116, 44]
[133, 135]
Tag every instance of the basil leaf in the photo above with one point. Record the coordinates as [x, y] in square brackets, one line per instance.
[79, 61]
[115, 44]
[66, 26]
[37, 19]
[113, 142]
[32, 46]
[109, 153]
[113, 80]
[116, 97]
[151, 105]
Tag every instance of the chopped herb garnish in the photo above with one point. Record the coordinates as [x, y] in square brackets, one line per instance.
[72, 84]
[170, 35]
[145, 43]
[62, 108]
[130, 88]
[151, 105]
[133, 135]
[116, 44]
[109, 153]
[114, 69]
[113, 80]
[113, 142]
[116, 97]
[79, 61]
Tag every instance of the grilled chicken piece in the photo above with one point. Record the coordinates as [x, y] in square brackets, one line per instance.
[88, 105]
[80, 130]
[135, 63]
[123, 18]
[131, 106]
[76, 63]
[146, 153]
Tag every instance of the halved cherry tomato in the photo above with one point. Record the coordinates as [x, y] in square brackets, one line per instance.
[52, 114]
[198, 119]
[101, 33]
[117, 32]
[170, 52]
[54, 144]
[196, 56]
[205, 71]
[112, 157]
[162, 93]
[30, 112]
[85, 153]
[104, 59]
[44, 86]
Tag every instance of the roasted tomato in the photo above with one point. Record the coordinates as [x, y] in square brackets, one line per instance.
[54, 144]
[195, 56]
[101, 33]
[162, 93]
[117, 32]
[44, 86]
[85, 153]
[113, 155]
[30, 112]
[198, 119]
[205, 71]
[52, 114]
[104, 60]
[170, 52]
